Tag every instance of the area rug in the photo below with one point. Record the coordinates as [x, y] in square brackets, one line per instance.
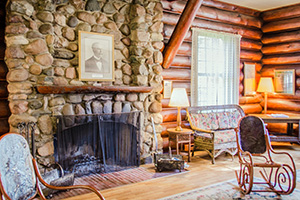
[114, 179]
[226, 191]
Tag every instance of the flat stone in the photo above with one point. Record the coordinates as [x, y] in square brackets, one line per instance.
[79, 110]
[137, 35]
[92, 5]
[57, 101]
[72, 21]
[155, 107]
[137, 10]
[117, 107]
[35, 104]
[14, 120]
[17, 75]
[46, 150]
[64, 54]
[19, 88]
[60, 19]
[74, 98]
[119, 97]
[59, 71]
[46, 29]
[68, 110]
[16, 29]
[22, 7]
[118, 74]
[17, 96]
[138, 105]
[89, 97]
[45, 16]
[132, 97]
[140, 80]
[45, 124]
[66, 9]
[158, 45]
[61, 63]
[157, 69]
[18, 107]
[36, 47]
[68, 33]
[126, 108]
[107, 107]
[76, 82]
[86, 17]
[71, 73]
[109, 8]
[101, 19]
[119, 18]
[127, 69]
[97, 107]
[157, 27]
[84, 27]
[49, 71]
[60, 81]
[14, 18]
[139, 69]
[126, 41]
[158, 57]
[14, 52]
[44, 59]
[73, 46]
[98, 28]
[50, 40]
[111, 26]
[127, 80]
[157, 37]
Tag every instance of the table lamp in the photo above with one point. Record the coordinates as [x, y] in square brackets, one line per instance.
[265, 85]
[179, 99]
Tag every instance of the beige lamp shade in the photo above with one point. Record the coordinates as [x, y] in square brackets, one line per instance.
[265, 85]
[179, 98]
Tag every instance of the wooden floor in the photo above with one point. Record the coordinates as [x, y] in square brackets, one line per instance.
[201, 173]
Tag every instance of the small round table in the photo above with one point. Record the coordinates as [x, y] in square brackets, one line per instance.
[180, 137]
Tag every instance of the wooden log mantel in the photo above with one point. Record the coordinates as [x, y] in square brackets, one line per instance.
[42, 89]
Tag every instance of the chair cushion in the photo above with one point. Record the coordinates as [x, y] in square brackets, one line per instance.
[223, 120]
[221, 136]
[206, 121]
[234, 118]
[16, 168]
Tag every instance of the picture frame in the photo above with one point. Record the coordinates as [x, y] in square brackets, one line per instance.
[284, 81]
[167, 89]
[96, 56]
[249, 79]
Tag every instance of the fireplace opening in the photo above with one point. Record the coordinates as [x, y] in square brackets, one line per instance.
[101, 143]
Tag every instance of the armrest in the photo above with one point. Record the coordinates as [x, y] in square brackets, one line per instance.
[40, 179]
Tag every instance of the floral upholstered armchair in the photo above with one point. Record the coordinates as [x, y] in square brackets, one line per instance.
[214, 128]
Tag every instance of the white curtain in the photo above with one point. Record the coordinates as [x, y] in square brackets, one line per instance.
[215, 68]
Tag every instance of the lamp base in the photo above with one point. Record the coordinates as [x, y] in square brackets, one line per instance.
[178, 128]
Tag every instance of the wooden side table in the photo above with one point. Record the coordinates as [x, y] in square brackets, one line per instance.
[181, 137]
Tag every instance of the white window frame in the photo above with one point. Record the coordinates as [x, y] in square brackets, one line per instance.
[224, 88]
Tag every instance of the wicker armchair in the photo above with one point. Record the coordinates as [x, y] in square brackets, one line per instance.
[214, 128]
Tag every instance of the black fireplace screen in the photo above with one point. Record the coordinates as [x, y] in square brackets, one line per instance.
[99, 143]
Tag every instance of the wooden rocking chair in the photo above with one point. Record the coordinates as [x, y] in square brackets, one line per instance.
[255, 152]
[19, 173]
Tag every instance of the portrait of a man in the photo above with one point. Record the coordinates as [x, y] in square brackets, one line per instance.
[96, 56]
[96, 63]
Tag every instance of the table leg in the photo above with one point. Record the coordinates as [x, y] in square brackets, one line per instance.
[189, 153]
[177, 145]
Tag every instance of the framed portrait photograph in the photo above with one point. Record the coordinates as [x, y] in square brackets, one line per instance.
[249, 79]
[284, 81]
[96, 56]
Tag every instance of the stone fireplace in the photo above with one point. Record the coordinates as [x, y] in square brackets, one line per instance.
[42, 58]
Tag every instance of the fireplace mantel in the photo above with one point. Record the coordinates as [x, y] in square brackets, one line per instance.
[50, 89]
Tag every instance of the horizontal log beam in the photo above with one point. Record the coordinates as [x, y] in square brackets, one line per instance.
[291, 47]
[176, 74]
[291, 36]
[281, 13]
[3, 90]
[4, 126]
[250, 99]
[251, 108]
[224, 16]
[281, 60]
[182, 61]
[170, 114]
[171, 19]
[283, 104]
[283, 25]
[231, 7]
[251, 55]
[3, 70]
[91, 89]
[248, 44]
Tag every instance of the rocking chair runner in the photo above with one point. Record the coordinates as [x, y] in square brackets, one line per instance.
[19, 173]
[255, 151]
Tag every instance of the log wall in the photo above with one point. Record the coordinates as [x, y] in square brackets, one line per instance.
[281, 50]
[4, 109]
[217, 16]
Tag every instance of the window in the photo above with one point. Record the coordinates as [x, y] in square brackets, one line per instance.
[215, 68]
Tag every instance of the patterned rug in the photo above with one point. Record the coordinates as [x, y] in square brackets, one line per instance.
[114, 179]
[226, 191]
